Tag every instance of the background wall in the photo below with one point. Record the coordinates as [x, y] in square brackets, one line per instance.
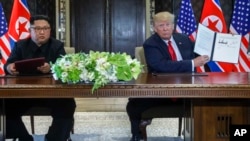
[50, 7]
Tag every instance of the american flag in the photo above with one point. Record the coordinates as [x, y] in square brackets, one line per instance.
[186, 22]
[4, 40]
[241, 25]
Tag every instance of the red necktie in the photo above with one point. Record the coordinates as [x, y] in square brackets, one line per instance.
[171, 51]
[174, 58]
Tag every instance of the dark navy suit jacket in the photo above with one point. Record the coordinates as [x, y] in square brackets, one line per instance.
[27, 49]
[159, 60]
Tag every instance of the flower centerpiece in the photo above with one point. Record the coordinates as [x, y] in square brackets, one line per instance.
[97, 67]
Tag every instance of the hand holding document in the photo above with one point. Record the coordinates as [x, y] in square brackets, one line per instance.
[201, 60]
[221, 47]
[29, 66]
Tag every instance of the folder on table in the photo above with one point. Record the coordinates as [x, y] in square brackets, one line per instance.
[29, 66]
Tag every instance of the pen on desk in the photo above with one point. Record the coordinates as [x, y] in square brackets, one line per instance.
[180, 74]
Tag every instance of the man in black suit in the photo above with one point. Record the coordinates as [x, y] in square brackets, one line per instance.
[165, 52]
[40, 44]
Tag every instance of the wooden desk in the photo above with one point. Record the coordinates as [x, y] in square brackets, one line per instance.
[212, 85]
[228, 90]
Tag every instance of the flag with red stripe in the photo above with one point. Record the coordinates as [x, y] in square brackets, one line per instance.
[4, 40]
[212, 17]
[19, 21]
[240, 24]
[186, 23]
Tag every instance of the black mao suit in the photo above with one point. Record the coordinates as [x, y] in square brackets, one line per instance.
[159, 61]
[62, 110]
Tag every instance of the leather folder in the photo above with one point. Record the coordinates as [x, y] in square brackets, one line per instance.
[29, 66]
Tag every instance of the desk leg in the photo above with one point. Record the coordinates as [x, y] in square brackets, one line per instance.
[188, 121]
[2, 120]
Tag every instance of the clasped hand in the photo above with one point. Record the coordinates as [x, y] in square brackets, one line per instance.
[45, 68]
[12, 70]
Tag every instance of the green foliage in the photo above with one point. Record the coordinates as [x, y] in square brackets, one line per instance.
[97, 67]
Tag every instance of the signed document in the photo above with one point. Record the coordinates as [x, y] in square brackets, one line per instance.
[220, 47]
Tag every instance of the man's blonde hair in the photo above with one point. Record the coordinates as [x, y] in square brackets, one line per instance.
[163, 16]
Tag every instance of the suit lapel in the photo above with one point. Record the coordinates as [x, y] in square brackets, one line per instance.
[162, 43]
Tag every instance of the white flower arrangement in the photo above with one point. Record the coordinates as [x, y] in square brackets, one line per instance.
[97, 67]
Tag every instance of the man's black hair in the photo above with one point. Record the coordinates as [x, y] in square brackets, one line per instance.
[39, 17]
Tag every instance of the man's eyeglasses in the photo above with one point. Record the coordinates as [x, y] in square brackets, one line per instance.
[39, 29]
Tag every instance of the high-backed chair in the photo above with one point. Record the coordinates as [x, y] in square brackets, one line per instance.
[170, 111]
[69, 50]
[139, 55]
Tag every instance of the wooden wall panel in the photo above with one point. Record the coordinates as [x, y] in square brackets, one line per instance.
[127, 26]
[88, 25]
[108, 25]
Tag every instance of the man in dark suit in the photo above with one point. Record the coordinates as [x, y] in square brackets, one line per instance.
[165, 52]
[40, 44]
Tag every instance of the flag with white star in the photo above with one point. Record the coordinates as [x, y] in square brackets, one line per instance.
[4, 40]
[212, 17]
[19, 21]
[240, 24]
[186, 22]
